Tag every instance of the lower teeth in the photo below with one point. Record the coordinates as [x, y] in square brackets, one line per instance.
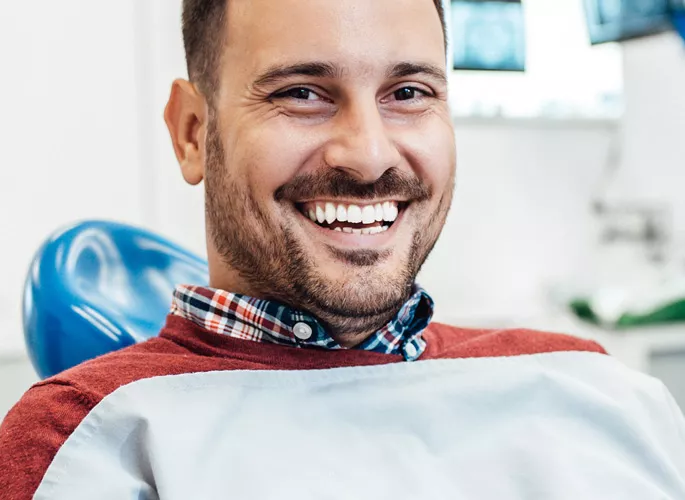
[366, 230]
[352, 230]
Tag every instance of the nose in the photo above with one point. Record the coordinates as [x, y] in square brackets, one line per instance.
[361, 144]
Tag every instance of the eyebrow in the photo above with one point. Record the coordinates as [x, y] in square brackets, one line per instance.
[404, 69]
[312, 69]
[327, 70]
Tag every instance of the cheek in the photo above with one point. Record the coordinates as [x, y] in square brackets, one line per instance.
[271, 155]
[432, 155]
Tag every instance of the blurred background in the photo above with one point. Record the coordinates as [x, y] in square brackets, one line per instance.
[569, 212]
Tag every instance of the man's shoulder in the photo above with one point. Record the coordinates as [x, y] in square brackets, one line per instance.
[445, 341]
[102, 375]
[46, 416]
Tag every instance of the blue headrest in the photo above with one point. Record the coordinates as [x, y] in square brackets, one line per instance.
[96, 287]
[679, 22]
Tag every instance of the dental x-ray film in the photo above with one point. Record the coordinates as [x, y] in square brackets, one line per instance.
[618, 20]
[488, 35]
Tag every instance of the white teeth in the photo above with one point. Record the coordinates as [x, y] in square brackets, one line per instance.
[342, 213]
[390, 211]
[320, 214]
[386, 211]
[379, 212]
[369, 215]
[354, 214]
[364, 230]
[331, 212]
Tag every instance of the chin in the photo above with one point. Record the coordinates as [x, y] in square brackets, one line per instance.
[357, 289]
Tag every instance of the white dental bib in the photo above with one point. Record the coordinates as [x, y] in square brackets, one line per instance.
[566, 425]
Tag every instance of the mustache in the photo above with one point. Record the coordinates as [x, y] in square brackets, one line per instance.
[334, 183]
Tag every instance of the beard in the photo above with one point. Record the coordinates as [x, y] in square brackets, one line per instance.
[274, 262]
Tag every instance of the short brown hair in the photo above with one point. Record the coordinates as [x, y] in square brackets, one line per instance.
[203, 30]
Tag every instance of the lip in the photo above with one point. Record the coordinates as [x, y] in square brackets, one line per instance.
[352, 241]
[345, 201]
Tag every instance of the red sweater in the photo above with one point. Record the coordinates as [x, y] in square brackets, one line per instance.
[49, 412]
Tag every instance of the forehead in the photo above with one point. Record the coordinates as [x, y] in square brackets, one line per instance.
[361, 34]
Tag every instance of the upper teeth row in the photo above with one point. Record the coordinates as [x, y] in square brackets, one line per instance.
[368, 214]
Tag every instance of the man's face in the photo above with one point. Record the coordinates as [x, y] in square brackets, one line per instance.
[334, 111]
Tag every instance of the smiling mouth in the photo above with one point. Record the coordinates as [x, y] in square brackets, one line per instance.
[368, 219]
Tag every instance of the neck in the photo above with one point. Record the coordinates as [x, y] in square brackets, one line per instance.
[348, 330]
[351, 331]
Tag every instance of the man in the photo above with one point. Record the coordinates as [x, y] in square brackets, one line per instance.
[309, 369]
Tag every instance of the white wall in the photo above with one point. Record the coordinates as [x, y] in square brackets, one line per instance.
[654, 128]
[71, 140]
[69, 133]
[16, 376]
[519, 219]
[179, 208]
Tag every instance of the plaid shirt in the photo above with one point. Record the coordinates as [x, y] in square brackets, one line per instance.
[248, 318]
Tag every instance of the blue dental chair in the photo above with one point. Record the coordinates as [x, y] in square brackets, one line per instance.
[679, 21]
[96, 287]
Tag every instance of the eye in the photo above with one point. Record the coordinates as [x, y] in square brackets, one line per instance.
[298, 93]
[408, 93]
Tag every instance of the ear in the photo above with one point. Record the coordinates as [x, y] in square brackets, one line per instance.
[186, 118]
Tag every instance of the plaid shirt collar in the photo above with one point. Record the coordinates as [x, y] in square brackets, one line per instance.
[248, 318]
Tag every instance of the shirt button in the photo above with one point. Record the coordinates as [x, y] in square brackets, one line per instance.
[303, 331]
[410, 350]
